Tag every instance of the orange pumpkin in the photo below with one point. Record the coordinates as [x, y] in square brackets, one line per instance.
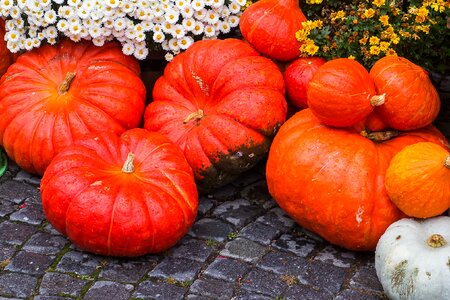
[418, 180]
[270, 27]
[341, 93]
[53, 95]
[331, 180]
[411, 101]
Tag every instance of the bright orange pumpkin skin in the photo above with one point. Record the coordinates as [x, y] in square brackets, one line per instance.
[297, 76]
[221, 103]
[340, 93]
[411, 100]
[331, 181]
[6, 57]
[37, 120]
[418, 180]
[87, 197]
[270, 27]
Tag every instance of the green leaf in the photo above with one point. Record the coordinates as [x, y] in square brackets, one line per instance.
[3, 163]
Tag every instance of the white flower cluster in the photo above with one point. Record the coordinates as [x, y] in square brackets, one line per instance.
[136, 24]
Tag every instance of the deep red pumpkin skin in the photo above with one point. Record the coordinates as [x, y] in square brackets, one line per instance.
[87, 196]
[411, 100]
[331, 180]
[270, 27]
[221, 103]
[297, 76]
[38, 119]
[340, 93]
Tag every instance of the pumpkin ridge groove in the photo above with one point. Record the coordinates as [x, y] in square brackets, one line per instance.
[137, 165]
[111, 221]
[183, 195]
[32, 151]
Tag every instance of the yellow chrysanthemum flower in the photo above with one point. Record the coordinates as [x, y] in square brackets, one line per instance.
[351, 57]
[374, 40]
[369, 13]
[384, 46]
[390, 52]
[384, 20]
[374, 50]
[363, 41]
[378, 3]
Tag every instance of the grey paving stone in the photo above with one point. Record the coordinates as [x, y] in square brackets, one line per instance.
[211, 229]
[23, 176]
[338, 257]
[301, 292]
[298, 245]
[15, 233]
[30, 263]
[7, 207]
[277, 218]
[58, 284]
[30, 213]
[365, 277]
[214, 288]
[238, 212]
[283, 263]
[227, 192]
[78, 262]
[102, 290]
[45, 243]
[244, 249]
[17, 285]
[249, 295]
[259, 232]
[39, 297]
[17, 192]
[159, 291]
[198, 297]
[349, 294]
[264, 282]
[127, 269]
[179, 269]
[315, 272]
[50, 229]
[204, 206]
[192, 249]
[6, 251]
[257, 193]
[227, 269]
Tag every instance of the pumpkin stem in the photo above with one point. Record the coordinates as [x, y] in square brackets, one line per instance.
[436, 240]
[196, 115]
[128, 166]
[447, 162]
[65, 85]
[380, 136]
[378, 100]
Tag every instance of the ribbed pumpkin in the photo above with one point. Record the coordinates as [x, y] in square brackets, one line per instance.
[297, 76]
[6, 57]
[120, 196]
[221, 103]
[341, 93]
[331, 180]
[411, 101]
[418, 180]
[270, 27]
[52, 95]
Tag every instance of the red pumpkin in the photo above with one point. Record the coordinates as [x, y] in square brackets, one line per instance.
[6, 57]
[411, 100]
[120, 196]
[53, 95]
[331, 181]
[341, 93]
[297, 76]
[270, 27]
[221, 103]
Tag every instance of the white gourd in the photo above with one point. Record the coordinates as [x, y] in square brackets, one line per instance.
[412, 259]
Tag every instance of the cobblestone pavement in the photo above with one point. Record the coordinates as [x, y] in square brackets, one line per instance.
[242, 246]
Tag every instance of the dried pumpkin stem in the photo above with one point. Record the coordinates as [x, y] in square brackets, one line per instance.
[436, 240]
[196, 115]
[378, 100]
[128, 166]
[65, 85]
[380, 136]
[447, 162]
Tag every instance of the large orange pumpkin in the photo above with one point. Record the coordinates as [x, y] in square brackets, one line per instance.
[6, 57]
[221, 103]
[411, 101]
[120, 196]
[270, 27]
[52, 95]
[331, 181]
[418, 180]
[341, 93]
